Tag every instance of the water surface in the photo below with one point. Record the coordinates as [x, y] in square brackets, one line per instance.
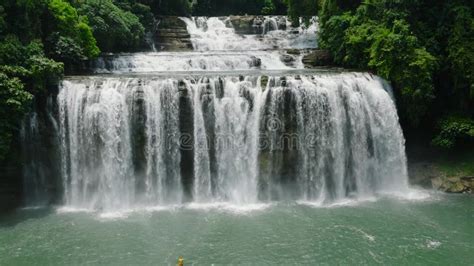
[438, 230]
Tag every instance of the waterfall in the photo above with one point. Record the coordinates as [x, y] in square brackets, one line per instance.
[320, 137]
[234, 121]
[228, 111]
[330, 137]
[190, 62]
[270, 24]
[219, 34]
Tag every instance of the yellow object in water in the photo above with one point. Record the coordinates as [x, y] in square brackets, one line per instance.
[180, 261]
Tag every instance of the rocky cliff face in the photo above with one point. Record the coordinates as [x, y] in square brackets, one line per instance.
[32, 167]
[429, 175]
[171, 35]
[10, 181]
[318, 58]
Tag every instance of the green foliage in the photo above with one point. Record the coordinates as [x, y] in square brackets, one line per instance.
[241, 7]
[24, 71]
[72, 38]
[29, 64]
[233, 7]
[461, 50]
[171, 7]
[3, 24]
[301, 8]
[378, 38]
[454, 131]
[86, 40]
[11, 51]
[142, 11]
[24, 18]
[269, 8]
[425, 48]
[13, 101]
[396, 55]
[115, 29]
[44, 72]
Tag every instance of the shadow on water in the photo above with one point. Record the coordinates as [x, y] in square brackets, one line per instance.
[18, 216]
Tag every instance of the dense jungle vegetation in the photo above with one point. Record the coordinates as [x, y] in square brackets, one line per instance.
[424, 48]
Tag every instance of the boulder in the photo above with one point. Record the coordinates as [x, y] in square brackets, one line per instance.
[428, 175]
[288, 60]
[453, 179]
[264, 82]
[317, 58]
[293, 51]
[437, 182]
[255, 62]
[281, 22]
[172, 35]
[457, 187]
[244, 24]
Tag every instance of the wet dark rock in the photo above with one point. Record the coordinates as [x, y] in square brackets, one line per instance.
[288, 60]
[281, 22]
[243, 24]
[317, 58]
[256, 62]
[172, 35]
[293, 51]
[264, 82]
[258, 21]
[427, 175]
[10, 185]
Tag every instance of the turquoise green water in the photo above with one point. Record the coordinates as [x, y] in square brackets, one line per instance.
[439, 230]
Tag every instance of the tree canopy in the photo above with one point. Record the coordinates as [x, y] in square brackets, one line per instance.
[424, 48]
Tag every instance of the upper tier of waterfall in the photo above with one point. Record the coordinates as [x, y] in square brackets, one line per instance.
[218, 47]
[219, 34]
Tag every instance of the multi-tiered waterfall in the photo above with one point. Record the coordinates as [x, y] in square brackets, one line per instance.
[236, 120]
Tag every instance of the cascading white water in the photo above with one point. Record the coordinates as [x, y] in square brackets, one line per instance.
[341, 129]
[218, 34]
[219, 48]
[344, 134]
[96, 129]
[206, 127]
[95, 137]
[302, 37]
[191, 61]
[232, 108]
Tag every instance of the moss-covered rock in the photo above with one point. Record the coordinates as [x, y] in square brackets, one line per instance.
[172, 35]
[318, 58]
[263, 81]
[428, 175]
[243, 24]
